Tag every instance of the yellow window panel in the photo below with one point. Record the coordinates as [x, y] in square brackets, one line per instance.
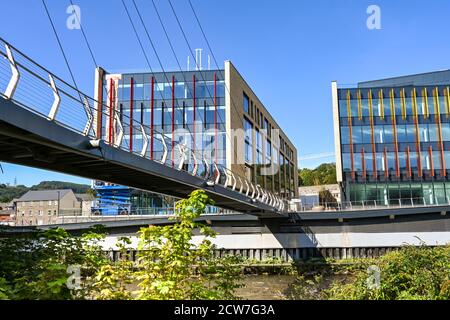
[380, 97]
[359, 105]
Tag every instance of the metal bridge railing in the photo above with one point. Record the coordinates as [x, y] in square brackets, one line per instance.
[431, 201]
[38, 90]
[77, 216]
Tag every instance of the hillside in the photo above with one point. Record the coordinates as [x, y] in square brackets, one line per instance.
[323, 174]
[8, 193]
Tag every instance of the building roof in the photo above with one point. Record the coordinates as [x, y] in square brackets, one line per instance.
[43, 195]
[6, 204]
[421, 79]
[85, 196]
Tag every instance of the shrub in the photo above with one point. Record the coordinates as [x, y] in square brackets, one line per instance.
[409, 273]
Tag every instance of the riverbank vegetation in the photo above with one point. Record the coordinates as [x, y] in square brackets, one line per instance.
[55, 265]
[410, 273]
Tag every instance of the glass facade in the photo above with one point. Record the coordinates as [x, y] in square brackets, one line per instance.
[395, 143]
[189, 108]
[186, 108]
[263, 151]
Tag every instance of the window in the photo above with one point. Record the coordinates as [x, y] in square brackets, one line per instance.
[259, 148]
[246, 104]
[248, 128]
[268, 152]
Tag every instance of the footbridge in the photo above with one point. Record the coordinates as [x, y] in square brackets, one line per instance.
[47, 123]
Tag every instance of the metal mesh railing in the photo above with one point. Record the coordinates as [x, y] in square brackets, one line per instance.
[374, 204]
[36, 89]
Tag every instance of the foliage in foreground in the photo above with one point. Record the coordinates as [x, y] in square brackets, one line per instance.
[169, 264]
[410, 273]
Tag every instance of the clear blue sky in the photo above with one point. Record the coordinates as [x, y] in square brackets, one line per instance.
[289, 51]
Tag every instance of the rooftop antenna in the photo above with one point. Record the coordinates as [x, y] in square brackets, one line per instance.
[188, 63]
[209, 62]
[198, 59]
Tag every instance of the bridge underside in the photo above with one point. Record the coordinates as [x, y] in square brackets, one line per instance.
[29, 139]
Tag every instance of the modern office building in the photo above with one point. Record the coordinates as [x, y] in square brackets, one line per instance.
[392, 139]
[214, 113]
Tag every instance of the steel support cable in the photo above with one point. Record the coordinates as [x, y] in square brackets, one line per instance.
[147, 60]
[60, 46]
[172, 48]
[209, 48]
[201, 74]
[84, 35]
[143, 50]
[200, 71]
[156, 53]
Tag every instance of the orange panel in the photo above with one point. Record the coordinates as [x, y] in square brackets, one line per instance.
[349, 116]
[437, 111]
[417, 138]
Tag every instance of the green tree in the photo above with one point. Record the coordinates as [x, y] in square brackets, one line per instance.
[325, 197]
[323, 174]
[35, 267]
[173, 267]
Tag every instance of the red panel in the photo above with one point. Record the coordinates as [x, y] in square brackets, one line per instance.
[363, 161]
[372, 130]
[386, 169]
[111, 86]
[352, 155]
[430, 152]
[194, 107]
[173, 120]
[215, 116]
[394, 126]
[408, 162]
[417, 137]
[131, 112]
[152, 118]
[439, 128]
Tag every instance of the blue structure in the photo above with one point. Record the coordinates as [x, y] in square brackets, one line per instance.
[112, 199]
